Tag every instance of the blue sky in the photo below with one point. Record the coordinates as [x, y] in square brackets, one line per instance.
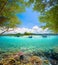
[30, 23]
[29, 18]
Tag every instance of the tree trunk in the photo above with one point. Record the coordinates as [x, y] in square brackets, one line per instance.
[6, 31]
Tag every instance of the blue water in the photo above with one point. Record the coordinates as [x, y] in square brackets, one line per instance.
[39, 42]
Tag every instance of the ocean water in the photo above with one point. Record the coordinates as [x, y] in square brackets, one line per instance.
[23, 43]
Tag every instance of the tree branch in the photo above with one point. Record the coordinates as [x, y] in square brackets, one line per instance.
[5, 31]
[3, 7]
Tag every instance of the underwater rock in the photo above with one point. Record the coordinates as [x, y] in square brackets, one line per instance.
[46, 61]
[12, 62]
[1, 63]
[53, 62]
[2, 52]
[51, 54]
[36, 59]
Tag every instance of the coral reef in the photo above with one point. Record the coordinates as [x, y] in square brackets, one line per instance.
[35, 58]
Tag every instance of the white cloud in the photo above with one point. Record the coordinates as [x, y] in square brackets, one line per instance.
[35, 29]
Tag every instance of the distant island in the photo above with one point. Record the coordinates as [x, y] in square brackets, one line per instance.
[27, 34]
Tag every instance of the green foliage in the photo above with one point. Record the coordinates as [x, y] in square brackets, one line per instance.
[47, 8]
[49, 12]
[51, 19]
[29, 2]
[8, 11]
[26, 33]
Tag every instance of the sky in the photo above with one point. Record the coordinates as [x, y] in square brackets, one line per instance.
[30, 23]
[35, 29]
[29, 18]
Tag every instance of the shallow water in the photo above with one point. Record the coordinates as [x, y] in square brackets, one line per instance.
[37, 42]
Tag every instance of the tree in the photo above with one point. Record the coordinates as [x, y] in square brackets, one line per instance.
[51, 19]
[8, 11]
[48, 12]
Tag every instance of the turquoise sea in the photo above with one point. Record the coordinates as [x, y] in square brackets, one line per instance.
[11, 43]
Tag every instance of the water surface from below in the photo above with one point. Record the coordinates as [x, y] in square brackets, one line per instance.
[36, 42]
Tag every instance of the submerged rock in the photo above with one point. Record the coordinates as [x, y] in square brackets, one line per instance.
[1, 63]
[36, 60]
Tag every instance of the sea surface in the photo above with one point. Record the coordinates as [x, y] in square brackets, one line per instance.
[11, 43]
